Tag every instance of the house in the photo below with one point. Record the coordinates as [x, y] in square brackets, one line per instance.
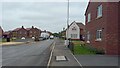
[76, 31]
[45, 34]
[63, 33]
[102, 31]
[1, 32]
[33, 32]
[7, 34]
[19, 32]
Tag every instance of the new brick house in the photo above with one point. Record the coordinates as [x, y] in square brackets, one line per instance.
[1, 32]
[75, 31]
[19, 32]
[33, 32]
[102, 21]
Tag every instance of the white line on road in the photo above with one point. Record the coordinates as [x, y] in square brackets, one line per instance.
[51, 55]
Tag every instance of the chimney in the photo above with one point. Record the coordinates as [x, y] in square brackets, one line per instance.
[32, 26]
[22, 26]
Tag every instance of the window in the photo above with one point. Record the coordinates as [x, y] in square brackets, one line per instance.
[88, 36]
[99, 35]
[89, 17]
[73, 28]
[20, 32]
[99, 11]
[74, 35]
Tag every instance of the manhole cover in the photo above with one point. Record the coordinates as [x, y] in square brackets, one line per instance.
[61, 58]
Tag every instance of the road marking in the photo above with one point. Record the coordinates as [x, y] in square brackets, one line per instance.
[51, 55]
[77, 60]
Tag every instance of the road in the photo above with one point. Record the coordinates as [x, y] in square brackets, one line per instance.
[32, 54]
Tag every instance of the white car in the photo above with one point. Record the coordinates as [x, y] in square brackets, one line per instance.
[33, 38]
[51, 37]
[23, 38]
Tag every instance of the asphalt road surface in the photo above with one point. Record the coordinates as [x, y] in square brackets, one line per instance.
[32, 54]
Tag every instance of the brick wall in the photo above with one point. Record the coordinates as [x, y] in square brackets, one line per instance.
[108, 23]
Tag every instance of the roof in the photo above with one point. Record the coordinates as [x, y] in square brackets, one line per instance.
[1, 28]
[7, 33]
[80, 24]
[16, 29]
[28, 28]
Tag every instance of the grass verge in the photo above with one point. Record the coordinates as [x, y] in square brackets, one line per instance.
[80, 48]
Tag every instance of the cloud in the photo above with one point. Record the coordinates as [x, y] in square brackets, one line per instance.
[45, 15]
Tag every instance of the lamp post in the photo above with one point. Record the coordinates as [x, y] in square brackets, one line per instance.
[66, 41]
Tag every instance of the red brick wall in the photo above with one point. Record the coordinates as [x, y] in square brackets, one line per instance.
[108, 23]
[112, 28]
[23, 34]
[119, 29]
[95, 24]
[35, 32]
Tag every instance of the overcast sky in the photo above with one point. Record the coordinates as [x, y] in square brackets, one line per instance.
[49, 16]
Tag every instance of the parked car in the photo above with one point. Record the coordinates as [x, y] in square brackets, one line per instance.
[23, 38]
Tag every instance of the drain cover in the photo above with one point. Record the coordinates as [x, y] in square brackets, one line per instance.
[61, 58]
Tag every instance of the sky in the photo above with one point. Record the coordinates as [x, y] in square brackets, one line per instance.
[47, 15]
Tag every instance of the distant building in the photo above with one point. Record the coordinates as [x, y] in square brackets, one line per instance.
[7, 34]
[76, 31]
[63, 33]
[45, 34]
[33, 32]
[19, 32]
[1, 32]
[102, 26]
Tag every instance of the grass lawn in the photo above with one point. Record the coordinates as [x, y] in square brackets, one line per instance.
[80, 48]
[3, 40]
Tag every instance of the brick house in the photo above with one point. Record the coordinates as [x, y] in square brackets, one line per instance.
[1, 32]
[7, 34]
[33, 32]
[75, 31]
[19, 32]
[102, 29]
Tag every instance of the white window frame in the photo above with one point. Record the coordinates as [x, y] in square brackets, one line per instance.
[89, 17]
[99, 11]
[88, 37]
[99, 32]
[74, 36]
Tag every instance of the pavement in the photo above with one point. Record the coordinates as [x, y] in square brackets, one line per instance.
[80, 61]
[61, 50]
[32, 54]
[18, 42]
[98, 60]
[11, 43]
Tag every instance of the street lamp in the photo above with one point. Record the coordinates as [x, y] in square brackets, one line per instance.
[66, 41]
